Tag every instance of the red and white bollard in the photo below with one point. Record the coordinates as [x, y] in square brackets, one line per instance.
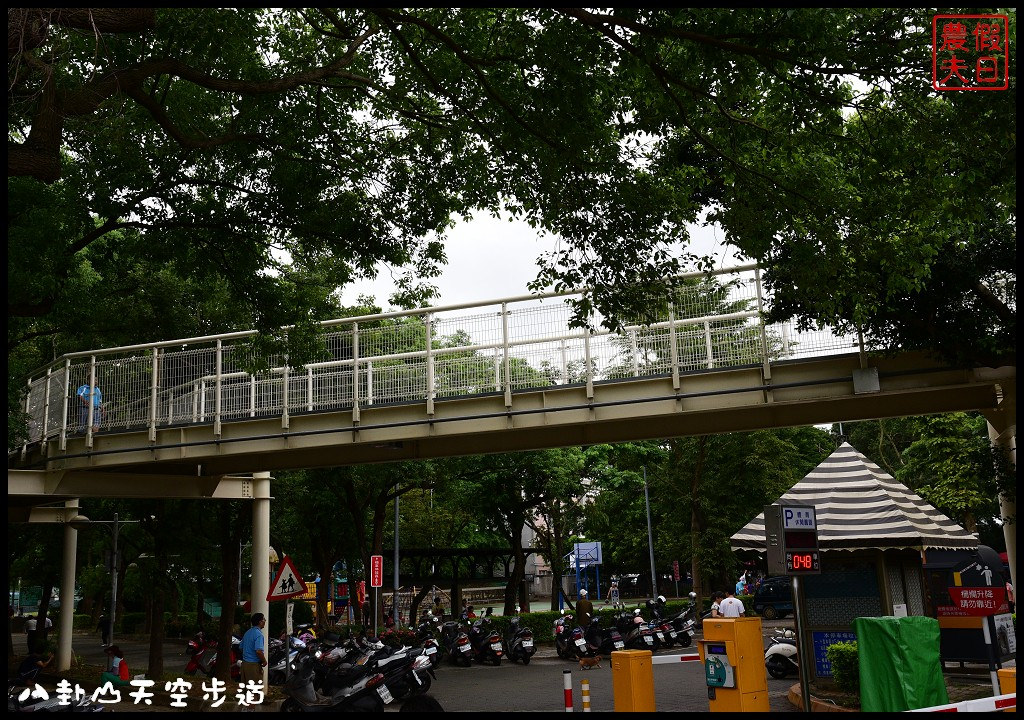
[567, 684]
[585, 692]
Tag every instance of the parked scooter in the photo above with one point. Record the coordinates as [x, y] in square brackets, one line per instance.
[456, 643]
[281, 651]
[602, 640]
[562, 631]
[427, 633]
[683, 622]
[407, 672]
[486, 641]
[781, 657]
[16, 689]
[660, 624]
[236, 658]
[520, 642]
[367, 692]
[636, 632]
[202, 654]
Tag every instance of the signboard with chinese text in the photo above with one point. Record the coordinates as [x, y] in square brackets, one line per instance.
[376, 571]
[791, 539]
[821, 640]
[1006, 636]
[970, 52]
[979, 601]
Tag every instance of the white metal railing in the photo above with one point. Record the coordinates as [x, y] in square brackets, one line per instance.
[710, 321]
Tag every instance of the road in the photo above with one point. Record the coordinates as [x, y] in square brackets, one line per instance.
[537, 687]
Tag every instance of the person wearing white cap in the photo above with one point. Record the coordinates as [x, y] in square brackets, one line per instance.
[584, 611]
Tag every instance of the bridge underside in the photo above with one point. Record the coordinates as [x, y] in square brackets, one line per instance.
[191, 461]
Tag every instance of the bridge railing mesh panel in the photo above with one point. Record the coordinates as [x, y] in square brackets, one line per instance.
[515, 344]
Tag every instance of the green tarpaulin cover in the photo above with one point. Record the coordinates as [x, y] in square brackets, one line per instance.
[899, 663]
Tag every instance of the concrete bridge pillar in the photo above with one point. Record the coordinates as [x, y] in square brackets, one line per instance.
[66, 620]
[261, 552]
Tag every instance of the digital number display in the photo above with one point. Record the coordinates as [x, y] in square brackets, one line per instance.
[803, 562]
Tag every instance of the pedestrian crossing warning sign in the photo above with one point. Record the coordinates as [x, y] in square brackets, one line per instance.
[288, 583]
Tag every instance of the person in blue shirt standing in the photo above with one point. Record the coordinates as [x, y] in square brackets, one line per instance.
[85, 394]
[253, 657]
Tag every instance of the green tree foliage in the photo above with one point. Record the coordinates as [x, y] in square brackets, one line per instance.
[702, 490]
[311, 521]
[557, 519]
[504, 492]
[284, 152]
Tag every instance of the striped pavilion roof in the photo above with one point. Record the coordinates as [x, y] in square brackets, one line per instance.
[860, 506]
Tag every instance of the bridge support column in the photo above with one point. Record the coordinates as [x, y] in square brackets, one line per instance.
[66, 620]
[261, 551]
[1002, 433]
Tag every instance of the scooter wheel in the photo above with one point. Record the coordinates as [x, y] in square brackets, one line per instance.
[496, 660]
[684, 641]
[367, 704]
[291, 705]
[776, 668]
[421, 689]
[526, 659]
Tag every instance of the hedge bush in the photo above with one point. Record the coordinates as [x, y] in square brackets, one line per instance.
[131, 623]
[845, 665]
[184, 626]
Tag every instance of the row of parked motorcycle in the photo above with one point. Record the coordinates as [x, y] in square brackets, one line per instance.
[467, 641]
[631, 631]
[627, 630]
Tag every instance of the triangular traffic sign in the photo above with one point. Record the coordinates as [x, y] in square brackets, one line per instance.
[288, 582]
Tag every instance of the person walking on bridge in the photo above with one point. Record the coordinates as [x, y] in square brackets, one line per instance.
[89, 396]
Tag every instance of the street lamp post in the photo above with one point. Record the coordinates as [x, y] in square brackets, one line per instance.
[650, 535]
[81, 522]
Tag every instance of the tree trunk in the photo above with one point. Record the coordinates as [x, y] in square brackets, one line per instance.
[37, 640]
[512, 586]
[230, 524]
[456, 594]
[415, 605]
[156, 630]
[696, 525]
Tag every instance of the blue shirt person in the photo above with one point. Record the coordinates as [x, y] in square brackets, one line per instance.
[85, 393]
[253, 657]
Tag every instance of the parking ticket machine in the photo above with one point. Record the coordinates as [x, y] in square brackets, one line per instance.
[732, 651]
[717, 668]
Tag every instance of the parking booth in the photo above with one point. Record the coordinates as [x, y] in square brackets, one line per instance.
[732, 652]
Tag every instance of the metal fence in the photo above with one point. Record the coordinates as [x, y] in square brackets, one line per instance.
[707, 322]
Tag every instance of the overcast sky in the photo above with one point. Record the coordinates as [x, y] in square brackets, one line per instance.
[490, 258]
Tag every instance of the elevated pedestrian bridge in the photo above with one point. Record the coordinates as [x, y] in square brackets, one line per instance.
[182, 416]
